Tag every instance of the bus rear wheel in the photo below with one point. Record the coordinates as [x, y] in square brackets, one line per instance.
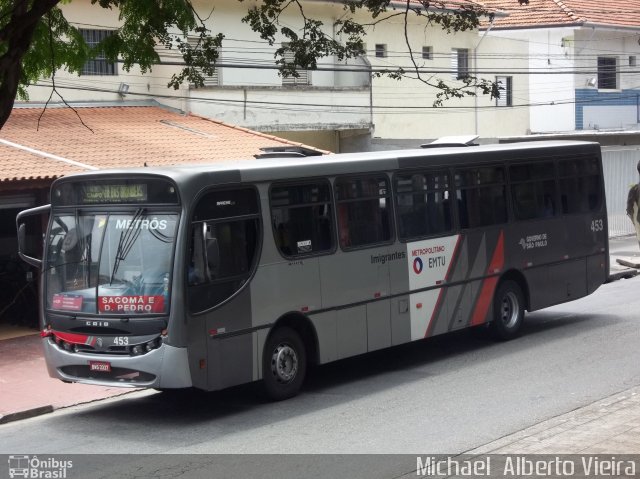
[284, 364]
[508, 310]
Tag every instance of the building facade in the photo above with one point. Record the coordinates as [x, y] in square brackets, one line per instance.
[340, 106]
[582, 61]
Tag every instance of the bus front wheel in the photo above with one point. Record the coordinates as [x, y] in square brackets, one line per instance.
[508, 310]
[284, 364]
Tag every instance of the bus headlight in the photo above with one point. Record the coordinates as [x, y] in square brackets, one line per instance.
[137, 350]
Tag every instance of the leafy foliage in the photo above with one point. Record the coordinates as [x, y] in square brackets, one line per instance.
[36, 40]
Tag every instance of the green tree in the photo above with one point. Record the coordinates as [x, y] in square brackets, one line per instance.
[36, 39]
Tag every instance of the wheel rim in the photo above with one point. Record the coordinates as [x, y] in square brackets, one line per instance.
[509, 309]
[284, 363]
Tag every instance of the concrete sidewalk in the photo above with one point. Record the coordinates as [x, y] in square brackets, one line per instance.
[26, 389]
[608, 426]
[623, 248]
[611, 425]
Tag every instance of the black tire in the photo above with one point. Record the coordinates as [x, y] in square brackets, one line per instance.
[284, 364]
[508, 311]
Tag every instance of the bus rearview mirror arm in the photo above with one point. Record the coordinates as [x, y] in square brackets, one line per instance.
[22, 233]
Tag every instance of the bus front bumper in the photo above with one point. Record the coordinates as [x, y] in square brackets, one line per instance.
[165, 367]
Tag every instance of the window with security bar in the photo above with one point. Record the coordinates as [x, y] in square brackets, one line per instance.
[459, 63]
[98, 65]
[607, 73]
[505, 84]
[304, 76]
[213, 80]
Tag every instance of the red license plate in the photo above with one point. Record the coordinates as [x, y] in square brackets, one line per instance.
[100, 366]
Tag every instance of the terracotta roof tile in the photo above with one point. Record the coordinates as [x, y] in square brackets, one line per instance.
[566, 12]
[120, 137]
[18, 164]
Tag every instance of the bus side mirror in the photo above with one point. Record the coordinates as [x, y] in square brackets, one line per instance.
[22, 239]
[27, 256]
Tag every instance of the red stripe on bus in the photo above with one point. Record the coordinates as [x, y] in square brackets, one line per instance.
[71, 337]
[453, 257]
[436, 308]
[489, 284]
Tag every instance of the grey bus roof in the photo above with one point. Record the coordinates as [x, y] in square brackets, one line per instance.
[346, 163]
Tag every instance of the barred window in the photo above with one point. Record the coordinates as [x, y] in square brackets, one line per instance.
[214, 79]
[459, 63]
[607, 73]
[381, 50]
[506, 91]
[304, 76]
[98, 65]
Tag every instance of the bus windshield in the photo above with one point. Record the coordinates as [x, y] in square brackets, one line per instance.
[110, 263]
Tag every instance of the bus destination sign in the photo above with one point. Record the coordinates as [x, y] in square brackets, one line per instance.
[113, 193]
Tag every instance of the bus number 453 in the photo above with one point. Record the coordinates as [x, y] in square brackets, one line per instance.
[597, 225]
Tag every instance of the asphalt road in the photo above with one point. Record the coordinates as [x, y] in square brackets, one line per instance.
[444, 395]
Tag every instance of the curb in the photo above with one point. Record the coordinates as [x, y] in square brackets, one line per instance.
[18, 416]
[49, 408]
[623, 274]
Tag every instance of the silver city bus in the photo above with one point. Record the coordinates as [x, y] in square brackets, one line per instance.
[213, 276]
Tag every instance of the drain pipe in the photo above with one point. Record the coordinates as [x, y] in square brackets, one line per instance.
[475, 66]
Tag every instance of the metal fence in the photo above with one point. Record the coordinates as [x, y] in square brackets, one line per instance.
[619, 168]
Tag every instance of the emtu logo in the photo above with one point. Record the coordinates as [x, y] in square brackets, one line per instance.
[418, 265]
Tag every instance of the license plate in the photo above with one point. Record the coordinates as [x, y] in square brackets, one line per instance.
[100, 366]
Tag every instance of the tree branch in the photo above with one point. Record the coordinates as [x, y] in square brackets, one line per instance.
[15, 40]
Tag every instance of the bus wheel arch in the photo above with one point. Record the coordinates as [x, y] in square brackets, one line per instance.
[290, 347]
[518, 277]
[509, 303]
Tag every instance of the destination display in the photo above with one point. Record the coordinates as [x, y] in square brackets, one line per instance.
[114, 192]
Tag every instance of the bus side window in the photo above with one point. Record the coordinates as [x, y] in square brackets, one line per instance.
[302, 218]
[481, 194]
[533, 190]
[580, 185]
[422, 201]
[363, 211]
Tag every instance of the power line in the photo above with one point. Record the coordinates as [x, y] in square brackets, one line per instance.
[322, 107]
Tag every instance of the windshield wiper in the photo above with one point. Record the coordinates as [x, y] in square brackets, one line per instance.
[126, 242]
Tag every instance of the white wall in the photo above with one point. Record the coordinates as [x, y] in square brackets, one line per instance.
[618, 43]
[551, 90]
[499, 56]
[404, 109]
[272, 109]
